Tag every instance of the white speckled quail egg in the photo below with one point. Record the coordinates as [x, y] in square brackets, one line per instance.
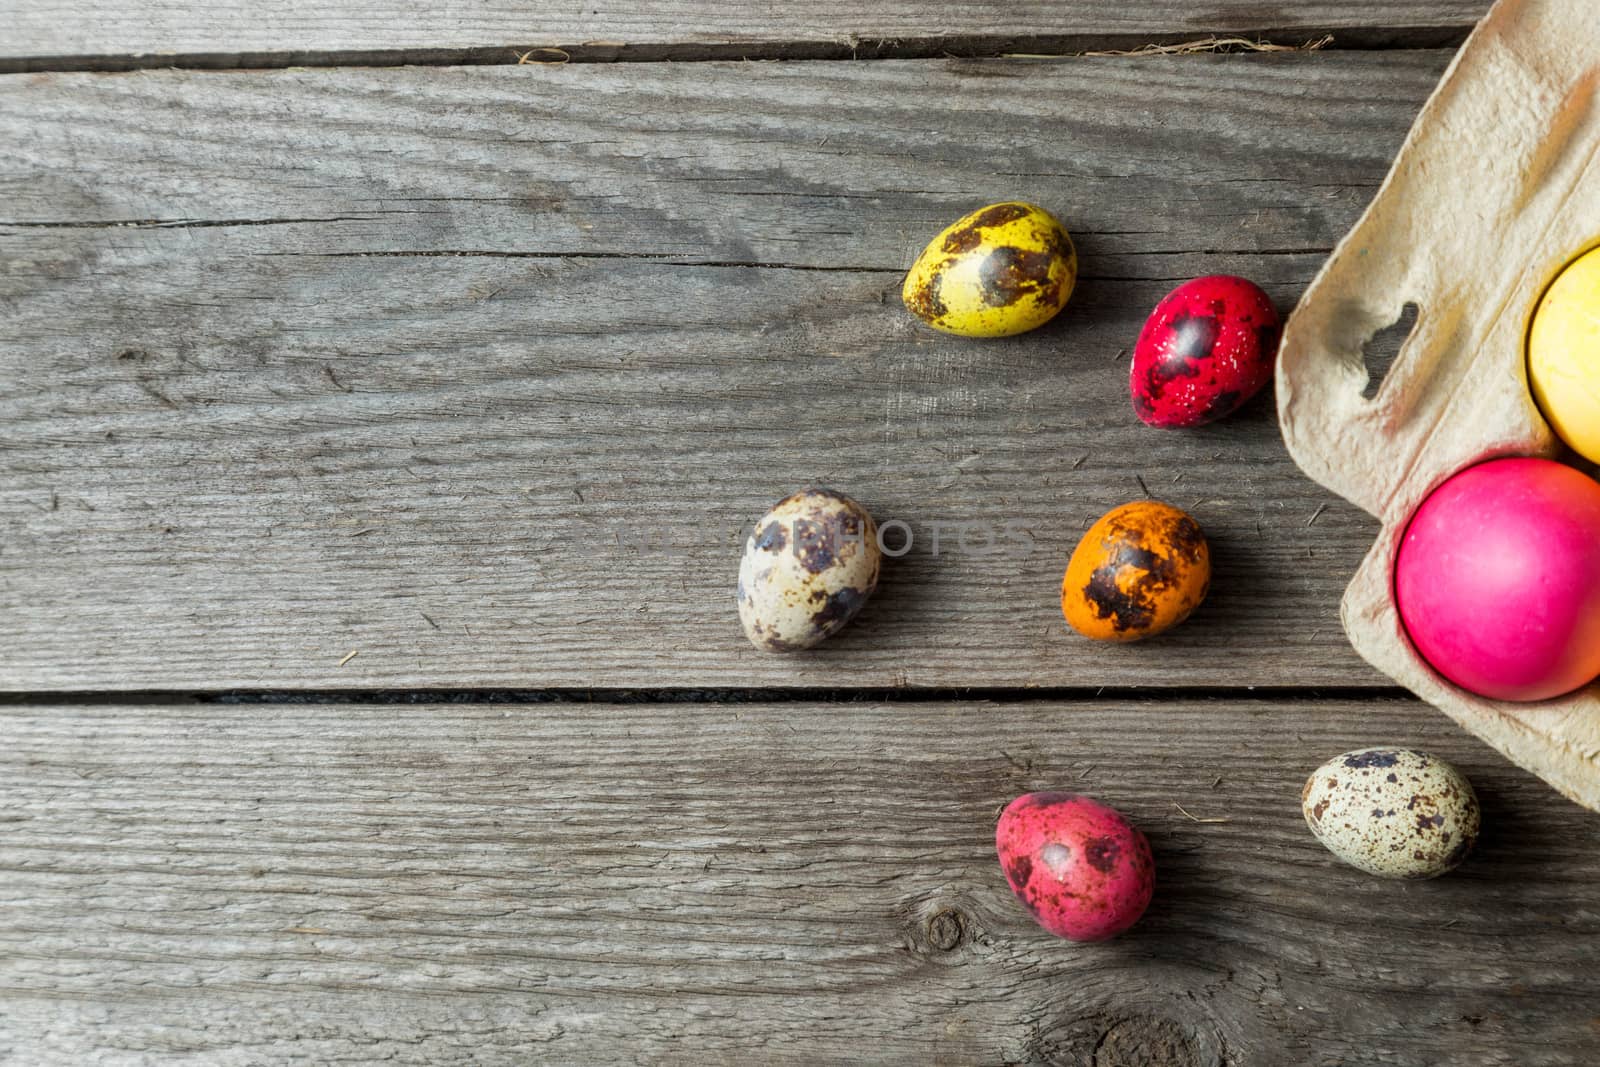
[808, 568]
[1392, 812]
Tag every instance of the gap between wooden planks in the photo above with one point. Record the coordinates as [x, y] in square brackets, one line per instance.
[77, 34]
[791, 882]
[309, 363]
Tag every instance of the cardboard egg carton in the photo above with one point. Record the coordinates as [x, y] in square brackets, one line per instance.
[1495, 190]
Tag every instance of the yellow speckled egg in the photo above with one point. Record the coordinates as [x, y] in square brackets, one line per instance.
[1564, 355]
[1002, 270]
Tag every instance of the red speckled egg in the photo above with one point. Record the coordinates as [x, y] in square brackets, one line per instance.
[1077, 865]
[1207, 348]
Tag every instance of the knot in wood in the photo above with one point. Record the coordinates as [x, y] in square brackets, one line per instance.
[945, 929]
[1146, 1041]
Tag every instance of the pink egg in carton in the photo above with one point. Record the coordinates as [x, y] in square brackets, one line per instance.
[1496, 189]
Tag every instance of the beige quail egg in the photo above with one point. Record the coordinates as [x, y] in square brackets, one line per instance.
[808, 567]
[1392, 812]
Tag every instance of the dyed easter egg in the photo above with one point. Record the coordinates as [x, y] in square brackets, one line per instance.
[1564, 355]
[1497, 579]
[1208, 347]
[1141, 569]
[1081, 869]
[808, 567]
[1001, 270]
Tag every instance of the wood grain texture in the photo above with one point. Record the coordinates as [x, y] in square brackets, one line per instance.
[501, 31]
[411, 363]
[790, 883]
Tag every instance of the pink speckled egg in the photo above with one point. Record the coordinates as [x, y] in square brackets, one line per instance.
[1077, 865]
[1498, 579]
[1206, 349]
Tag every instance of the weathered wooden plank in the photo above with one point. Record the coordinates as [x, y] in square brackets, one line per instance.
[502, 32]
[404, 363]
[792, 883]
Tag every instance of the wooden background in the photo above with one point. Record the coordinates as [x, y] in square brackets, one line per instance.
[336, 329]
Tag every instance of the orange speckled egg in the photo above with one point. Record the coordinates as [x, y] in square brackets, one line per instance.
[1138, 571]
